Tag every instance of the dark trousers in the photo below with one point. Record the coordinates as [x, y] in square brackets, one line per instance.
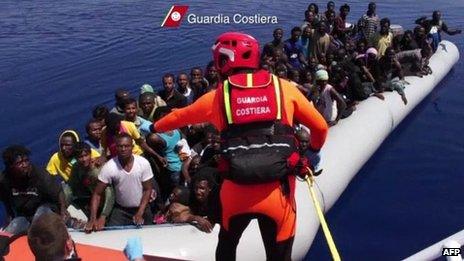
[122, 216]
[228, 240]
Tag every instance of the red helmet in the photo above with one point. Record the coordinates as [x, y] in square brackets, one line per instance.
[235, 50]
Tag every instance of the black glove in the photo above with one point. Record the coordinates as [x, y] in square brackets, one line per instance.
[152, 128]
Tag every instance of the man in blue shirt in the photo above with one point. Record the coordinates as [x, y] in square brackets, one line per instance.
[294, 50]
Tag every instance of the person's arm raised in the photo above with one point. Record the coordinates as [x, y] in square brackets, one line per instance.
[198, 112]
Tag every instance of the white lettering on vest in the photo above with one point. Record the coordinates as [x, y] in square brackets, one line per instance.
[251, 100]
[252, 110]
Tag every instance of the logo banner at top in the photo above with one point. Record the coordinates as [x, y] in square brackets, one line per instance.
[175, 15]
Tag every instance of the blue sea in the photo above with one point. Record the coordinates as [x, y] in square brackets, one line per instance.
[58, 59]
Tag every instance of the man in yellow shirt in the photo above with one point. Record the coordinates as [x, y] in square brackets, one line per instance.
[61, 162]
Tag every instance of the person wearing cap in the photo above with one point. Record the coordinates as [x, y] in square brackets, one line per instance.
[61, 162]
[255, 112]
[146, 88]
[330, 103]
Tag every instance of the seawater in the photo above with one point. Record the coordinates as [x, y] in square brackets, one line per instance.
[58, 59]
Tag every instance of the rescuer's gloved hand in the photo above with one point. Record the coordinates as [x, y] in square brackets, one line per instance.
[152, 128]
[314, 158]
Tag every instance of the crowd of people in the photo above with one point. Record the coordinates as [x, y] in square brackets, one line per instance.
[123, 173]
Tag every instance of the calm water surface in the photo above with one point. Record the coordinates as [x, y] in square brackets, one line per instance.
[61, 58]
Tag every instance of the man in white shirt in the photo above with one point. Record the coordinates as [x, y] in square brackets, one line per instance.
[132, 179]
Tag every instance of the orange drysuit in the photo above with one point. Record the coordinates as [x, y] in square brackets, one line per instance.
[267, 198]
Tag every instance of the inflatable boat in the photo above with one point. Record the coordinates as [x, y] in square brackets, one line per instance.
[358, 136]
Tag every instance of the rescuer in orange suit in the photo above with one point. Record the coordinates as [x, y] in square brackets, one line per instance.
[255, 112]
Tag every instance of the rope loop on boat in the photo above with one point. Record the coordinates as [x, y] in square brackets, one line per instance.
[325, 228]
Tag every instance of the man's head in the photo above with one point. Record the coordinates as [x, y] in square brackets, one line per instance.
[344, 10]
[203, 183]
[436, 15]
[281, 70]
[212, 71]
[294, 75]
[385, 22]
[194, 164]
[82, 153]
[100, 113]
[361, 46]
[408, 36]
[48, 238]
[182, 81]
[321, 28]
[130, 109]
[371, 54]
[180, 194]
[16, 160]
[113, 122]
[312, 7]
[330, 15]
[309, 16]
[147, 102]
[330, 6]
[349, 46]
[67, 140]
[234, 50]
[168, 82]
[307, 76]
[303, 138]
[419, 32]
[371, 8]
[277, 54]
[121, 95]
[296, 33]
[322, 77]
[390, 53]
[124, 146]
[312, 62]
[278, 34]
[94, 129]
[307, 32]
[196, 73]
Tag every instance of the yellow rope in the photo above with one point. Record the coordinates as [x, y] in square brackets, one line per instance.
[328, 236]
